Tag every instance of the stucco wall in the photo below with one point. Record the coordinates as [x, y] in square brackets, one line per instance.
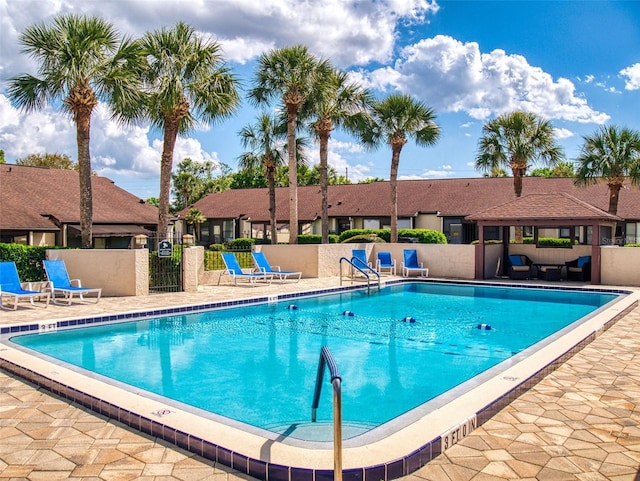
[119, 272]
[620, 266]
[314, 260]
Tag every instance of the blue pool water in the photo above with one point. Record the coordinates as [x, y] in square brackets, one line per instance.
[257, 364]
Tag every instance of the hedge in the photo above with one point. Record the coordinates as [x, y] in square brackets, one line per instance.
[28, 260]
[316, 239]
[424, 236]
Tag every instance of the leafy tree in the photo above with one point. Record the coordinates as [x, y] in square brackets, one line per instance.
[496, 172]
[81, 60]
[186, 84]
[266, 141]
[288, 75]
[249, 178]
[336, 102]
[2, 160]
[393, 120]
[195, 218]
[611, 154]
[153, 201]
[194, 180]
[562, 169]
[53, 161]
[515, 141]
[369, 180]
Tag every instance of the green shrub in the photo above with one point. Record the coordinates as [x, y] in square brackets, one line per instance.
[490, 241]
[632, 245]
[317, 239]
[424, 236]
[240, 243]
[216, 247]
[363, 238]
[28, 260]
[548, 241]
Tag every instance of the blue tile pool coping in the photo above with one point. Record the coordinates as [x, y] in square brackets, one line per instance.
[255, 467]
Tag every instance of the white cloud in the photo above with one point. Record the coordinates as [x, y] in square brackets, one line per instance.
[350, 32]
[632, 75]
[453, 76]
[563, 133]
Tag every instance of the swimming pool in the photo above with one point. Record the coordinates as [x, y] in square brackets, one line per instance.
[380, 353]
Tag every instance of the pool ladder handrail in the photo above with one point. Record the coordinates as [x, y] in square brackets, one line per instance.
[327, 359]
[362, 268]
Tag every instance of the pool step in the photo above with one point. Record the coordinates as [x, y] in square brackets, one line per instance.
[319, 431]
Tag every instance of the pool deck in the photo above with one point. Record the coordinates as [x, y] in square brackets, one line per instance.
[581, 422]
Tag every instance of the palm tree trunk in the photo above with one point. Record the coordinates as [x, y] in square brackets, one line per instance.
[292, 116]
[393, 183]
[271, 179]
[83, 124]
[614, 194]
[166, 165]
[324, 185]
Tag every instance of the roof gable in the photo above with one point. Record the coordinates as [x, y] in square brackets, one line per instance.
[543, 208]
[30, 195]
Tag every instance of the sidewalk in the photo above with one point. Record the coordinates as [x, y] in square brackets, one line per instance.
[579, 423]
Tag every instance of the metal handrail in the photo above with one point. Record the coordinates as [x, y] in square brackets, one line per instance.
[326, 359]
[361, 270]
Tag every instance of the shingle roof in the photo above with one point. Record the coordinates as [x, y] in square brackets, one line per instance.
[544, 207]
[28, 195]
[449, 197]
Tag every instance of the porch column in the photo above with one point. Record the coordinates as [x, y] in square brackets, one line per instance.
[479, 267]
[595, 254]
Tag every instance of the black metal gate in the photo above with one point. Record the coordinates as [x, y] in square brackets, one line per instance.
[165, 265]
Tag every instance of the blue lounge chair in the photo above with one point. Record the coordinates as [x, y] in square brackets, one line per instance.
[59, 283]
[411, 264]
[385, 263]
[234, 270]
[10, 286]
[262, 265]
[359, 260]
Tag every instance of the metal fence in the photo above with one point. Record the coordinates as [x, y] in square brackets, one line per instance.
[213, 260]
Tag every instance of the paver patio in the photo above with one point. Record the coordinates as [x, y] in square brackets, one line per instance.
[582, 422]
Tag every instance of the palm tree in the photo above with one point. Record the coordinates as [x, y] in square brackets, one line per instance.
[612, 154]
[82, 60]
[266, 143]
[515, 141]
[393, 119]
[336, 103]
[187, 84]
[289, 75]
[195, 218]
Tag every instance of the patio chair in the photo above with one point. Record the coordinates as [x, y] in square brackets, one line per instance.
[520, 267]
[262, 265]
[234, 270]
[10, 286]
[359, 261]
[411, 264]
[385, 263]
[59, 283]
[579, 269]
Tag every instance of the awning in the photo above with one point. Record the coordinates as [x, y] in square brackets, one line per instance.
[111, 230]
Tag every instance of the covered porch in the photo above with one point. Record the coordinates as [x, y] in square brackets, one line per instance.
[541, 211]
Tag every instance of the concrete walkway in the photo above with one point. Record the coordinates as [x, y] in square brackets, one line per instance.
[579, 423]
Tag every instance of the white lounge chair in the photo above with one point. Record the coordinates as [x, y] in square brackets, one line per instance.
[262, 264]
[10, 286]
[234, 270]
[60, 284]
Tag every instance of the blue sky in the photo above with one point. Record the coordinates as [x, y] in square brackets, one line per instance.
[576, 63]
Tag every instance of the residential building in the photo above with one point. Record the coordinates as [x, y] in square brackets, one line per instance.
[41, 206]
[439, 204]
